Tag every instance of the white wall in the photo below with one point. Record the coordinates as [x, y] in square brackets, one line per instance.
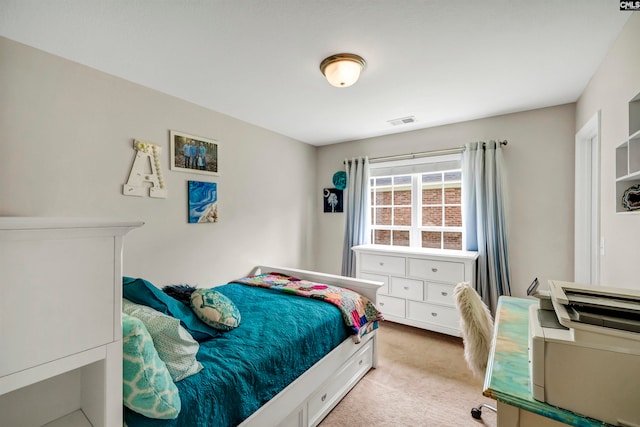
[66, 136]
[540, 171]
[615, 83]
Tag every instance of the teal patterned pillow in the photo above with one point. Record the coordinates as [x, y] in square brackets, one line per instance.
[215, 309]
[147, 386]
[174, 345]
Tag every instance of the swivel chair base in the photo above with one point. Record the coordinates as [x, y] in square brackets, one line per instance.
[477, 411]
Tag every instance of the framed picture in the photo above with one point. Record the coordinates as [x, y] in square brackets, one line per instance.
[332, 200]
[203, 201]
[193, 154]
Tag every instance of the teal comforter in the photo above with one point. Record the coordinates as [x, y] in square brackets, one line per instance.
[279, 338]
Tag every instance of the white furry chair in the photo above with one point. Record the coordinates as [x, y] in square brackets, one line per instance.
[476, 325]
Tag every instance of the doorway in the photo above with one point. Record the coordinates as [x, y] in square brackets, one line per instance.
[587, 204]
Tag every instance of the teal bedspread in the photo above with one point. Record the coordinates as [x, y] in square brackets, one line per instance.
[280, 337]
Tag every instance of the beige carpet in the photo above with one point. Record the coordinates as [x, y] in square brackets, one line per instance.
[422, 380]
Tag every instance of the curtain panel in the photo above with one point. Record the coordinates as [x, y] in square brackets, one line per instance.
[484, 218]
[357, 211]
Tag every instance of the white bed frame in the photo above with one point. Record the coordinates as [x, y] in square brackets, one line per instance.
[60, 329]
[74, 377]
[306, 401]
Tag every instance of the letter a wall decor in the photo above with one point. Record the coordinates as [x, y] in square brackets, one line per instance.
[146, 154]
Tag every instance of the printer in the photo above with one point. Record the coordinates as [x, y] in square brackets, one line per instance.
[584, 351]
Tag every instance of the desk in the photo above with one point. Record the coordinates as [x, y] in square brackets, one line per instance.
[507, 375]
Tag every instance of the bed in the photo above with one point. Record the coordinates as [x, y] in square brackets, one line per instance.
[75, 315]
[250, 379]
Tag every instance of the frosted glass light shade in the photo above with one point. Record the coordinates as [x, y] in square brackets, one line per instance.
[342, 70]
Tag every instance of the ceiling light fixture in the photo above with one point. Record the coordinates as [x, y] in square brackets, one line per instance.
[342, 69]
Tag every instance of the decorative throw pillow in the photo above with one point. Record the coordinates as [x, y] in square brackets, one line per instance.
[142, 292]
[215, 309]
[146, 383]
[174, 345]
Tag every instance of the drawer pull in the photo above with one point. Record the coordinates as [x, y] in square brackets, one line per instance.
[435, 270]
[381, 263]
[406, 288]
[324, 397]
[444, 294]
[381, 304]
[434, 314]
[360, 362]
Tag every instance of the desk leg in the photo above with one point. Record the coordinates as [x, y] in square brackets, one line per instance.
[508, 416]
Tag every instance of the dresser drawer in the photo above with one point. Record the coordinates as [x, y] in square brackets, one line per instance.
[334, 389]
[384, 289]
[430, 313]
[407, 288]
[440, 294]
[382, 264]
[391, 306]
[441, 271]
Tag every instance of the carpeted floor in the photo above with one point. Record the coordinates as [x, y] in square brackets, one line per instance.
[422, 380]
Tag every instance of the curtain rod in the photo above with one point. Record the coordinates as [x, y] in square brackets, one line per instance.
[422, 154]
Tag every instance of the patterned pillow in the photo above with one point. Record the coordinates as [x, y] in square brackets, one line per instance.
[142, 292]
[174, 345]
[215, 309]
[146, 384]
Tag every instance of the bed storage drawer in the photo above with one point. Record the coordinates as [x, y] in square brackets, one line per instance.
[336, 387]
[295, 419]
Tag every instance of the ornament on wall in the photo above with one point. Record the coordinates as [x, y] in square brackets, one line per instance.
[203, 202]
[631, 198]
[146, 153]
[340, 180]
[332, 200]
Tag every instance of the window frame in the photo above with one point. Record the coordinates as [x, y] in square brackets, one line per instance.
[442, 228]
[417, 226]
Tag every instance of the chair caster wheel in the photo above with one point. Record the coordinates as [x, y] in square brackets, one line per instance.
[476, 413]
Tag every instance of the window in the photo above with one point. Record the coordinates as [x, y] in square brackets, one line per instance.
[417, 203]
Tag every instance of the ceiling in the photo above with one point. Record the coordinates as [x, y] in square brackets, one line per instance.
[258, 60]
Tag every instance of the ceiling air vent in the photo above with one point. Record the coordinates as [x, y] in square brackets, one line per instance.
[402, 121]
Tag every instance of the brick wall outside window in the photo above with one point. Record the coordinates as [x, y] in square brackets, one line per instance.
[441, 207]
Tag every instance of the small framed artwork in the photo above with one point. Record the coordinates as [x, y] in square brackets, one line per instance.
[203, 202]
[193, 154]
[332, 200]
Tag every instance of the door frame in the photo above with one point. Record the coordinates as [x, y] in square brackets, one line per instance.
[587, 203]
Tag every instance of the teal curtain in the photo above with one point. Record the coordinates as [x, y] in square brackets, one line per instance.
[484, 218]
[356, 208]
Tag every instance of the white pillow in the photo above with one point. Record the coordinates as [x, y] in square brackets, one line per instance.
[175, 346]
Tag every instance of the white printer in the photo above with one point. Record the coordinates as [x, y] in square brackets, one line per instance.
[584, 351]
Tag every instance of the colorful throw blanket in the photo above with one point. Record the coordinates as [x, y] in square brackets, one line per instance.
[358, 312]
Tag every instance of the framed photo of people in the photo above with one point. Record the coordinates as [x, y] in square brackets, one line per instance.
[193, 154]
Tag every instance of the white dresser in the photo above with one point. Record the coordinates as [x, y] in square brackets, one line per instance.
[60, 321]
[418, 283]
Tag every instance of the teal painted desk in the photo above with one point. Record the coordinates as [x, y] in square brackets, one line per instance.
[507, 374]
